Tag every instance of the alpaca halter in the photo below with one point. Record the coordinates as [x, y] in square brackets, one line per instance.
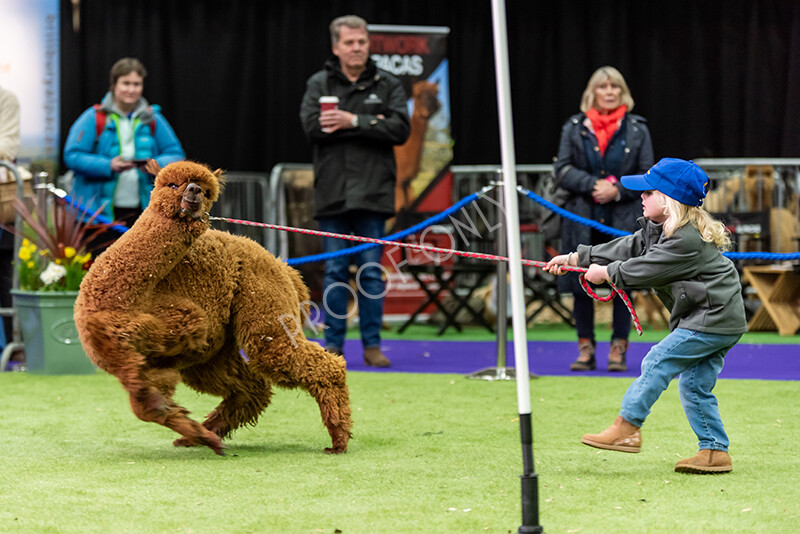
[205, 216]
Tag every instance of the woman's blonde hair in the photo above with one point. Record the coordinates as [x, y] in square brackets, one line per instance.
[599, 77]
[678, 214]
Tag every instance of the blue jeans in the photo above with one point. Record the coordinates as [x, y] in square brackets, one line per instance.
[370, 286]
[698, 357]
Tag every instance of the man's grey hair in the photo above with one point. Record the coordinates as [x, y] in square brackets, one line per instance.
[351, 21]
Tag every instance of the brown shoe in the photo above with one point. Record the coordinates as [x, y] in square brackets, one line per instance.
[373, 357]
[706, 462]
[622, 436]
[585, 361]
[616, 356]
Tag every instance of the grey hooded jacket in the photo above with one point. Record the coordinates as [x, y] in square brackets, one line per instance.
[699, 285]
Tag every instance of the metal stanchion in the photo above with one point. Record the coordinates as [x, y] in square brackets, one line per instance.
[500, 371]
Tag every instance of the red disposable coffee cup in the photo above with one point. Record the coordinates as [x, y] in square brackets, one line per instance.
[328, 102]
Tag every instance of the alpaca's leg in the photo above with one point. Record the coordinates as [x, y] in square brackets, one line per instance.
[150, 405]
[267, 325]
[153, 403]
[245, 394]
[150, 389]
[332, 396]
[321, 373]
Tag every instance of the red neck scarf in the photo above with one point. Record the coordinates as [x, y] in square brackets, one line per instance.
[605, 125]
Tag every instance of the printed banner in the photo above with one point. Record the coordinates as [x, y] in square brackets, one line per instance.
[29, 68]
[417, 55]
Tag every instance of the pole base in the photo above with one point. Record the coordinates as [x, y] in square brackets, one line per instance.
[497, 373]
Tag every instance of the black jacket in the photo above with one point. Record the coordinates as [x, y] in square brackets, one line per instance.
[354, 169]
[573, 172]
[576, 172]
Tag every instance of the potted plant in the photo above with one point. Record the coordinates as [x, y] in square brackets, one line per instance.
[51, 262]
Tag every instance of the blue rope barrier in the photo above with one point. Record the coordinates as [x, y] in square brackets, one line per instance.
[396, 236]
[571, 216]
[774, 256]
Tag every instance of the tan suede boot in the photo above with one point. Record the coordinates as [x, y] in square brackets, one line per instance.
[706, 462]
[373, 357]
[616, 355]
[622, 436]
[585, 361]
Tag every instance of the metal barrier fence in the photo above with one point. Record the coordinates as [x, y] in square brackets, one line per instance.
[760, 197]
[291, 196]
[246, 196]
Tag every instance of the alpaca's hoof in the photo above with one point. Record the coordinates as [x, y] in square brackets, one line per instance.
[213, 444]
[339, 439]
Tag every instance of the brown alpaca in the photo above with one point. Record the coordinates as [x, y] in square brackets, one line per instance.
[409, 155]
[172, 300]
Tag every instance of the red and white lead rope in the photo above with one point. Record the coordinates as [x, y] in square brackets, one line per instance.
[440, 250]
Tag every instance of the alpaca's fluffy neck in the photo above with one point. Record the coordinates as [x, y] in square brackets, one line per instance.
[143, 256]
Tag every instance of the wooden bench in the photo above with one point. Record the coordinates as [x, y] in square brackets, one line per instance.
[778, 288]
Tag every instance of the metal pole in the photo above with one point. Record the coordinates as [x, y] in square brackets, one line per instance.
[502, 293]
[529, 482]
[499, 372]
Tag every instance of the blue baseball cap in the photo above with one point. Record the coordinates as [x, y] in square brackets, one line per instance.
[679, 179]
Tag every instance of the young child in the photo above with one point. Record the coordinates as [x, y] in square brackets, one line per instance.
[676, 252]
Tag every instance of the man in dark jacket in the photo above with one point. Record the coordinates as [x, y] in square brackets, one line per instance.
[354, 175]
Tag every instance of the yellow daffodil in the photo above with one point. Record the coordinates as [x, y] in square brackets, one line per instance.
[30, 265]
[24, 253]
[69, 252]
[83, 258]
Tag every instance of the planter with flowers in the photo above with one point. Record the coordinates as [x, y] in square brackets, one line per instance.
[51, 263]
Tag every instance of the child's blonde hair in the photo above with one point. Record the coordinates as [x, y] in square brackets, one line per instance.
[678, 214]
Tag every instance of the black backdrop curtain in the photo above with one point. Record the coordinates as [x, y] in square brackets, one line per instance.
[713, 78]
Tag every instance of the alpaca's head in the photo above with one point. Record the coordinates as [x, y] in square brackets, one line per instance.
[184, 189]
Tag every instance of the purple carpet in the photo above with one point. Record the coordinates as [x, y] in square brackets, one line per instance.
[552, 358]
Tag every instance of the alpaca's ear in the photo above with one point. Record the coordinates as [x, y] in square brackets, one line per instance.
[219, 174]
[152, 167]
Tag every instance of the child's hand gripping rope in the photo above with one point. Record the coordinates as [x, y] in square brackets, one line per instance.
[596, 274]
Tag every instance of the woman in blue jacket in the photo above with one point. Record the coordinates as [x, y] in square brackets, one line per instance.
[109, 143]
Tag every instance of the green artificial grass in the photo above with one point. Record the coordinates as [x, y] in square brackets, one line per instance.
[430, 454]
